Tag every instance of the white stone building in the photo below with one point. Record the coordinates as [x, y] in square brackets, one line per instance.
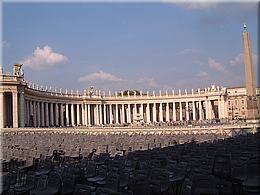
[24, 104]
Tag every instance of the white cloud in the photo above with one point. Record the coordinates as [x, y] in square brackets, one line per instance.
[187, 51]
[44, 58]
[216, 65]
[201, 5]
[5, 44]
[239, 59]
[148, 81]
[202, 74]
[99, 76]
[195, 5]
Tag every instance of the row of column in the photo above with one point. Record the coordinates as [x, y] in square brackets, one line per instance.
[45, 114]
[36, 113]
[155, 112]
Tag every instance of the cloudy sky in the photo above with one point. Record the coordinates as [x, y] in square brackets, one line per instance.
[119, 46]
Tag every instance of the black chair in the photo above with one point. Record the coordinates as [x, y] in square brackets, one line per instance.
[68, 184]
[52, 187]
[100, 177]
[5, 185]
[82, 189]
[111, 185]
[29, 185]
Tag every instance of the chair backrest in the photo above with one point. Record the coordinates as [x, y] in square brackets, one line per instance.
[54, 180]
[103, 170]
[42, 182]
[112, 181]
[68, 180]
[207, 181]
[91, 168]
[30, 180]
[5, 183]
[140, 185]
[12, 177]
[103, 157]
[82, 189]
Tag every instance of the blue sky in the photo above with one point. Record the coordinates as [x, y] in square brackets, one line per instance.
[119, 46]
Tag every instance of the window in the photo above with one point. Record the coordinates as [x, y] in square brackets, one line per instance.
[242, 101]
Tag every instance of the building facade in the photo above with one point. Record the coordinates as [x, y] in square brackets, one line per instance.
[24, 104]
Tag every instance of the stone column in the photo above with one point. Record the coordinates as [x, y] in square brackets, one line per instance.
[123, 114]
[210, 110]
[180, 111]
[160, 113]
[219, 108]
[72, 115]
[28, 113]
[25, 112]
[105, 114]
[167, 112]
[193, 111]
[42, 114]
[173, 111]
[207, 109]
[38, 114]
[148, 120]
[142, 111]
[61, 115]
[187, 111]
[78, 115]
[47, 114]
[100, 114]
[116, 114]
[34, 114]
[51, 115]
[67, 115]
[15, 110]
[129, 113]
[31, 113]
[57, 114]
[21, 109]
[96, 121]
[154, 112]
[1, 110]
[86, 114]
[224, 107]
[134, 112]
[83, 114]
[89, 116]
[110, 114]
[200, 111]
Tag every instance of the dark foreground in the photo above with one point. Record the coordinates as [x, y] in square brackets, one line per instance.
[228, 166]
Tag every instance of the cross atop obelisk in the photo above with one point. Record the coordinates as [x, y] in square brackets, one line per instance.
[249, 76]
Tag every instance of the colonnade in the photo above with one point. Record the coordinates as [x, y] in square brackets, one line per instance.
[30, 111]
[121, 113]
[50, 114]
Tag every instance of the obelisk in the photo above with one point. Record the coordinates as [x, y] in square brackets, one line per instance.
[251, 108]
